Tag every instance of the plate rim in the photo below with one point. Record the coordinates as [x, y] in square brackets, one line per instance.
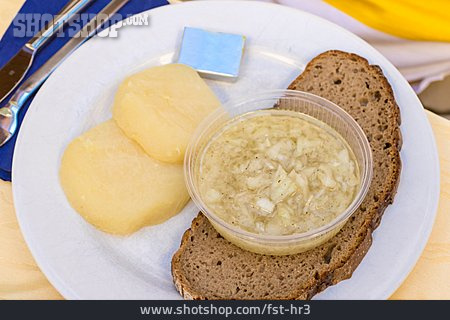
[403, 272]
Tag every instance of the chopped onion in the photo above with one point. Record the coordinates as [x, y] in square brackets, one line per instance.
[266, 205]
[213, 195]
[278, 175]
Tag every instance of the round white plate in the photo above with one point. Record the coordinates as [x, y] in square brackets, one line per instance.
[84, 263]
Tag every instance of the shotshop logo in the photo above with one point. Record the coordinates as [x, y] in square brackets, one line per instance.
[29, 24]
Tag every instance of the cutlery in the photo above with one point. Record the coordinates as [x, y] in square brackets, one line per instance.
[9, 113]
[15, 69]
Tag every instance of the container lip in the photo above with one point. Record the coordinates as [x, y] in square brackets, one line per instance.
[209, 121]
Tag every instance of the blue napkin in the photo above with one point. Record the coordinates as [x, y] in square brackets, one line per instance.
[10, 45]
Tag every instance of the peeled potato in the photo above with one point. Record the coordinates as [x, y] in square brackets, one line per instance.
[115, 185]
[161, 107]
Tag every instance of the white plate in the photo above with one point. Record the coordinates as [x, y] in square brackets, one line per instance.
[83, 263]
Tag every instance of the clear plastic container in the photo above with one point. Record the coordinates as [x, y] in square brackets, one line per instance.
[307, 104]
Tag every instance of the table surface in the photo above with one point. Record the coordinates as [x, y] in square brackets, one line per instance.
[21, 278]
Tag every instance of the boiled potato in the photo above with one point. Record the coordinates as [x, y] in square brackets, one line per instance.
[161, 107]
[115, 185]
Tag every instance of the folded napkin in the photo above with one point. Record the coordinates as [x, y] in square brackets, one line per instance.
[10, 45]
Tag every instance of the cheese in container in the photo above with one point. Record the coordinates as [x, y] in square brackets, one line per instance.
[279, 172]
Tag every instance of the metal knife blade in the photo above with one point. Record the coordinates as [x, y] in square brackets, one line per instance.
[14, 71]
[9, 112]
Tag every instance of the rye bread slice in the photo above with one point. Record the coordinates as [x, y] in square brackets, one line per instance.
[207, 266]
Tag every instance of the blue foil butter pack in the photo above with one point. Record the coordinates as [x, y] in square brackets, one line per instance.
[215, 55]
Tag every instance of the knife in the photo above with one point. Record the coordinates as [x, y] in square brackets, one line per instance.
[15, 69]
[9, 113]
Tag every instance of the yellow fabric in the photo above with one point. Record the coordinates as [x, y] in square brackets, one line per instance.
[410, 19]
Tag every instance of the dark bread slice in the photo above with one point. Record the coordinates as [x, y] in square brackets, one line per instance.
[209, 267]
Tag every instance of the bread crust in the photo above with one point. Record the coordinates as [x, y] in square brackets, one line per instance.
[180, 281]
[345, 269]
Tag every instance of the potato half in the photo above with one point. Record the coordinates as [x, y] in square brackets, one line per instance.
[115, 185]
[161, 107]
